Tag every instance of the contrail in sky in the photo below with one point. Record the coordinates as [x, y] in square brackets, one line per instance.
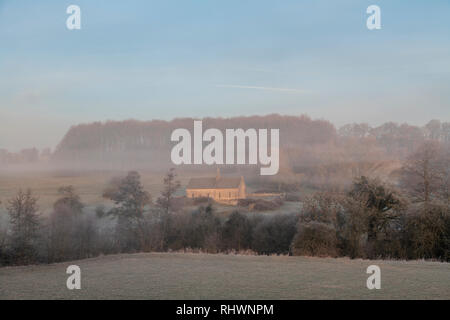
[261, 88]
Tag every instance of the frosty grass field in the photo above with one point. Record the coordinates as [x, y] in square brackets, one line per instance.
[203, 276]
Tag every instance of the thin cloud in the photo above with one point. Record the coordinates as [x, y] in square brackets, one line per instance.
[262, 88]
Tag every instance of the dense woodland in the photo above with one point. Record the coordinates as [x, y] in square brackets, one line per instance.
[370, 218]
[304, 142]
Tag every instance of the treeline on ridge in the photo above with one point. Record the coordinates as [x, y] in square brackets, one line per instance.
[303, 142]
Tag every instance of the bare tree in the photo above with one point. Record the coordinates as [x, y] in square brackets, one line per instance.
[24, 219]
[165, 201]
[166, 204]
[444, 176]
[422, 173]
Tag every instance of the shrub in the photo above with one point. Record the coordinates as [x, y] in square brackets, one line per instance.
[237, 232]
[315, 239]
[274, 235]
[202, 230]
[427, 233]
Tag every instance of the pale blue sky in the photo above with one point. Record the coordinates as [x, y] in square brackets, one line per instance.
[191, 58]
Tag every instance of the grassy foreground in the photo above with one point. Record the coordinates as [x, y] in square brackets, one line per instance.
[203, 276]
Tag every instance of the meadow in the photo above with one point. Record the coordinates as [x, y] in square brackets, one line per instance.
[205, 276]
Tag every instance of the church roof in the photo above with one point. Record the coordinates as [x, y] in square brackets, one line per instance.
[214, 183]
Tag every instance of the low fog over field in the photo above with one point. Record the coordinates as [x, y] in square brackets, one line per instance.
[109, 188]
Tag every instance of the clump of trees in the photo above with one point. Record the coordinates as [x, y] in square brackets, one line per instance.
[357, 224]
[371, 219]
[202, 231]
[375, 220]
[70, 232]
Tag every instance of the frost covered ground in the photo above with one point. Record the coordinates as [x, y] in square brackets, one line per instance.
[202, 276]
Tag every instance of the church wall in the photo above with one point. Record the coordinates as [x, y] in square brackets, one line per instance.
[216, 194]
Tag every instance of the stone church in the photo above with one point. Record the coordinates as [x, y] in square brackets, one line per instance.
[218, 188]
